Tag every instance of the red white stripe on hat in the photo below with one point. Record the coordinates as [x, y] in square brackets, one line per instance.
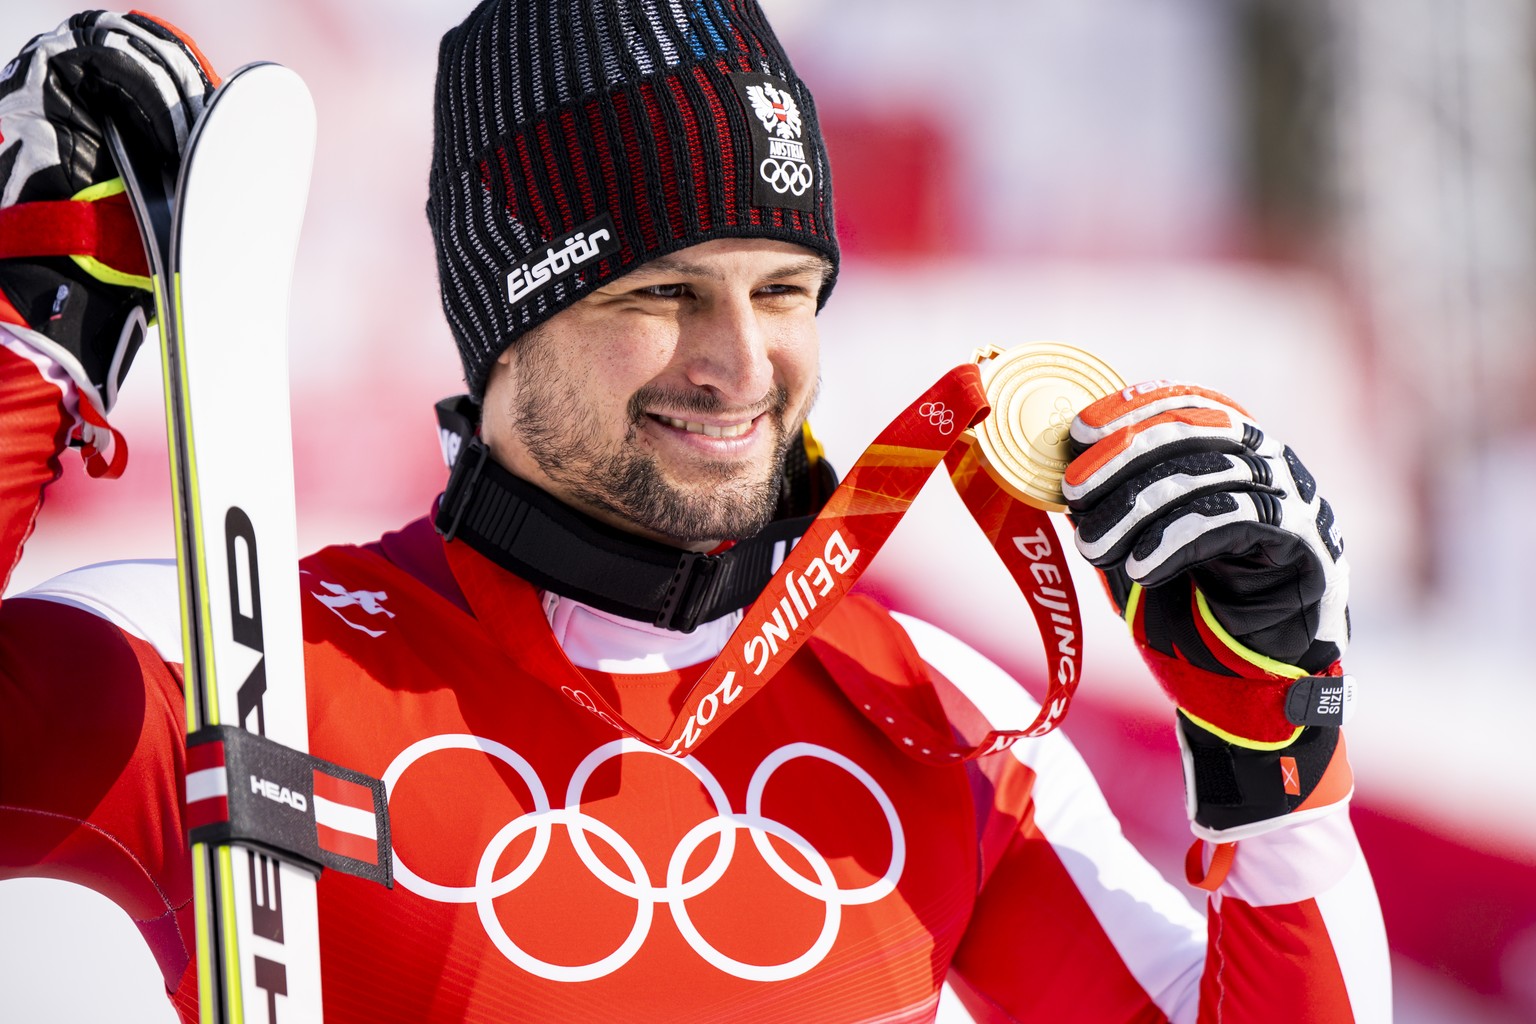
[207, 786]
[344, 820]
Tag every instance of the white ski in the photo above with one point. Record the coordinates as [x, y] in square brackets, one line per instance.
[222, 263]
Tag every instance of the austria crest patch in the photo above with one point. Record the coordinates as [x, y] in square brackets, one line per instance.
[784, 169]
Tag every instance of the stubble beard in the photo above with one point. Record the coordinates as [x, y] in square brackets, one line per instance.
[722, 500]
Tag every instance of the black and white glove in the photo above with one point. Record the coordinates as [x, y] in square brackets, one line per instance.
[73, 278]
[1228, 565]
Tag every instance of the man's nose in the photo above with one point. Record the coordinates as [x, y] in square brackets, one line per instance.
[728, 349]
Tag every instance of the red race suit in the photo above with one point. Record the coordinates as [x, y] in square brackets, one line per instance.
[798, 866]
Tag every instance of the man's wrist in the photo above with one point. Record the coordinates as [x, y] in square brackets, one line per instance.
[1236, 792]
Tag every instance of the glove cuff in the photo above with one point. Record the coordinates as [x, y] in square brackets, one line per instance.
[1236, 792]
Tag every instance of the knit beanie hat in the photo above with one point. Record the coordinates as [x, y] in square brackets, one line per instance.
[577, 139]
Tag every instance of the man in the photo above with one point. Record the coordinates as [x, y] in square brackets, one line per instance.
[632, 211]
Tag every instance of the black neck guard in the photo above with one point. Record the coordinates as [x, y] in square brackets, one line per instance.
[551, 545]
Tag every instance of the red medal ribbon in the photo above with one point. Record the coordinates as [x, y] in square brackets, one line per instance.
[1025, 539]
[835, 551]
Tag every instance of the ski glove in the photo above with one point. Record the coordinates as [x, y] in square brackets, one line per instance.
[73, 277]
[1226, 562]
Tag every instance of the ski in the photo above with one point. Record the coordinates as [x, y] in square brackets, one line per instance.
[221, 242]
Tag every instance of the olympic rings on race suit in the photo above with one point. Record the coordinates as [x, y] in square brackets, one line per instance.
[676, 892]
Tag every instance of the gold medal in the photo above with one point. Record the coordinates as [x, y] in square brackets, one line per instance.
[1035, 391]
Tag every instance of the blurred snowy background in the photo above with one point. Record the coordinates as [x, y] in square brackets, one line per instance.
[1326, 208]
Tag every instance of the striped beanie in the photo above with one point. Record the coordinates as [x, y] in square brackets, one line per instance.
[577, 139]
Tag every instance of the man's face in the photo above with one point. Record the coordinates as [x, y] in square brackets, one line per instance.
[663, 402]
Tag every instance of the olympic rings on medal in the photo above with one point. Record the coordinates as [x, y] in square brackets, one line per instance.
[939, 415]
[676, 891]
[787, 175]
[1059, 427]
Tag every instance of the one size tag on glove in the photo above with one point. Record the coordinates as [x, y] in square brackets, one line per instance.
[1320, 700]
[1035, 391]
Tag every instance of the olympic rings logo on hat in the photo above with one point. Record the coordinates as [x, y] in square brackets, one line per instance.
[792, 176]
[677, 891]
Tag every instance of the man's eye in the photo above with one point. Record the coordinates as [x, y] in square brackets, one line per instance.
[665, 291]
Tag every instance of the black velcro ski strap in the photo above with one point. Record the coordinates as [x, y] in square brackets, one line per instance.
[244, 788]
[1320, 700]
[529, 533]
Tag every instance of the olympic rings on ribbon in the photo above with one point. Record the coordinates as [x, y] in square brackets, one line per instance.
[939, 415]
[677, 891]
[787, 175]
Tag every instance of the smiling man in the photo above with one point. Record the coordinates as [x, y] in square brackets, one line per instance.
[631, 204]
[665, 402]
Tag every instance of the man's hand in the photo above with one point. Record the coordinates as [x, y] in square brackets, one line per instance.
[75, 282]
[1229, 567]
